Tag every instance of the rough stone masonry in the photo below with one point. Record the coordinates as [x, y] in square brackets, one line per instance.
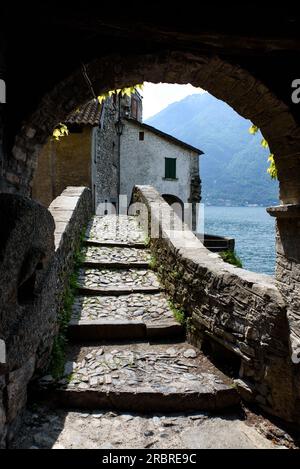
[230, 308]
[37, 248]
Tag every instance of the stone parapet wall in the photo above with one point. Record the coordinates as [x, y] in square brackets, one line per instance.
[232, 310]
[36, 258]
[71, 212]
[288, 276]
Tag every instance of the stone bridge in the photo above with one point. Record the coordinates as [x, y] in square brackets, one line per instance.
[139, 276]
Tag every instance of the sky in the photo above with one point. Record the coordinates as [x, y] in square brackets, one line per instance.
[157, 97]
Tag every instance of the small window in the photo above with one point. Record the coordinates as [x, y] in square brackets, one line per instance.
[141, 136]
[134, 108]
[170, 168]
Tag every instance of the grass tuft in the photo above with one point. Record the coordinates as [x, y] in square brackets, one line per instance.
[179, 314]
[58, 354]
[231, 258]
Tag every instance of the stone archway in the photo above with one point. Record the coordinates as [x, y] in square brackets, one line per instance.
[226, 81]
[176, 203]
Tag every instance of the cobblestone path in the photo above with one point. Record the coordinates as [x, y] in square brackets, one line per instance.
[127, 358]
[120, 299]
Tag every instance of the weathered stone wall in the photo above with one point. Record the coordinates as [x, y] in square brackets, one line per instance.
[71, 211]
[61, 164]
[230, 309]
[1, 140]
[105, 177]
[36, 257]
[288, 275]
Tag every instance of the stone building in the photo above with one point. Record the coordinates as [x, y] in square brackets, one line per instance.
[67, 161]
[110, 150]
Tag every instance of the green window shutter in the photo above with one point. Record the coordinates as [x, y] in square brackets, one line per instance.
[170, 168]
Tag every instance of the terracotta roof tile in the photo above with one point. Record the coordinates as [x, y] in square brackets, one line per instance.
[88, 114]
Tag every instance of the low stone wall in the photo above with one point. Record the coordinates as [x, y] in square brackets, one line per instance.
[71, 212]
[36, 258]
[231, 310]
[216, 243]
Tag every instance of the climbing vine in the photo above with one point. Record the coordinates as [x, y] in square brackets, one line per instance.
[121, 91]
[61, 130]
[272, 170]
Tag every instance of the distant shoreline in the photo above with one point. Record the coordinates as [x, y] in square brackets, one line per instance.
[244, 206]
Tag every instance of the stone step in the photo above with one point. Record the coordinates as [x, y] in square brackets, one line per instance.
[102, 280]
[125, 316]
[140, 377]
[117, 291]
[83, 331]
[115, 265]
[115, 257]
[114, 243]
[120, 229]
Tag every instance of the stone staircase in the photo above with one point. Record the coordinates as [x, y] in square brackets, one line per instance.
[126, 350]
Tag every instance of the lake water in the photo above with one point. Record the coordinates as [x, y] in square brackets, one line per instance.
[253, 230]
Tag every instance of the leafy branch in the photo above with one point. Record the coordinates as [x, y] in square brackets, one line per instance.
[61, 130]
[272, 170]
[121, 91]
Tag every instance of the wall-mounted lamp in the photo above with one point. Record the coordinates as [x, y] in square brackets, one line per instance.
[119, 127]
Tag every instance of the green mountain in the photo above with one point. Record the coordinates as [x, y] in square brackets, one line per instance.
[234, 167]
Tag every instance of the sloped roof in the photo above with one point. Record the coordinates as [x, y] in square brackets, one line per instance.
[88, 114]
[166, 136]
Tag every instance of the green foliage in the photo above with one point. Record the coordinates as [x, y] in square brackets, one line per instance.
[231, 258]
[121, 92]
[179, 314]
[272, 170]
[189, 326]
[56, 367]
[153, 263]
[61, 130]
[58, 351]
[253, 129]
[175, 275]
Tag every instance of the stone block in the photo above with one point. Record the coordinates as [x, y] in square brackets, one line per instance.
[29, 314]
[13, 178]
[245, 389]
[17, 389]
